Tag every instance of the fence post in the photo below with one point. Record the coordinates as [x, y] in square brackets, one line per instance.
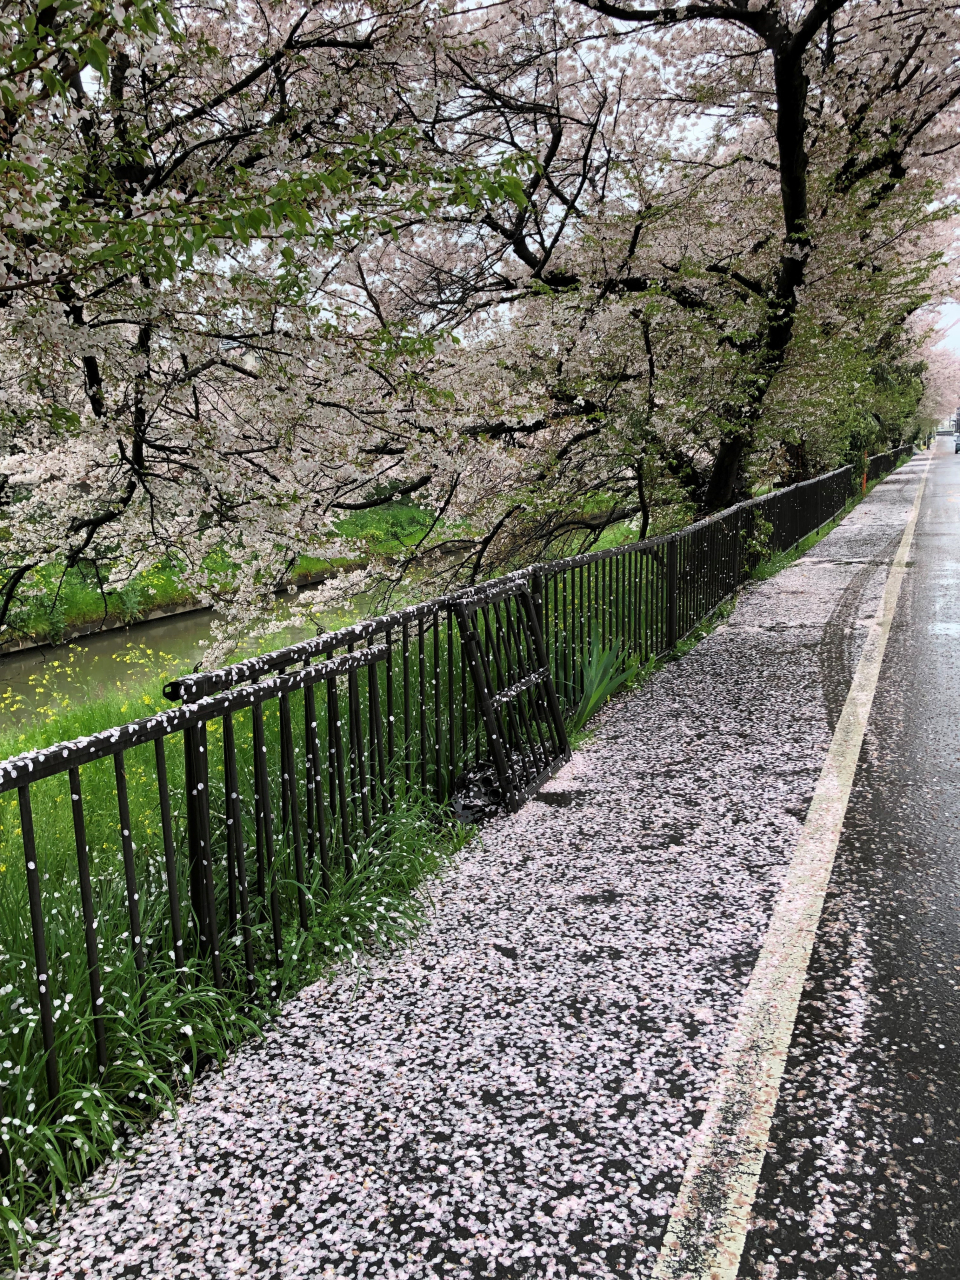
[39, 944]
[737, 525]
[672, 601]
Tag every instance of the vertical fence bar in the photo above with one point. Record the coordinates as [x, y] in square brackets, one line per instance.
[170, 861]
[129, 866]
[264, 810]
[338, 775]
[468, 720]
[673, 602]
[89, 920]
[554, 641]
[319, 831]
[206, 858]
[377, 756]
[613, 594]
[451, 710]
[640, 621]
[232, 788]
[391, 727]
[289, 766]
[309, 772]
[437, 709]
[407, 772]
[582, 628]
[257, 746]
[197, 896]
[232, 905]
[358, 768]
[623, 614]
[39, 943]
[564, 583]
[422, 700]
[629, 566]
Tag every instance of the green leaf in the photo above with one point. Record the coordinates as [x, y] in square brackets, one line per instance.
[97, 56]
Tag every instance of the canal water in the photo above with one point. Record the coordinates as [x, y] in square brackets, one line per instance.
[122, 669]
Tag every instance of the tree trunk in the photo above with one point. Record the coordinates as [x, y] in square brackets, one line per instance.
[798, 463]
[724, 482]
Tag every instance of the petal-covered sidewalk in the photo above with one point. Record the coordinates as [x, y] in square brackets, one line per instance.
[513, 1093]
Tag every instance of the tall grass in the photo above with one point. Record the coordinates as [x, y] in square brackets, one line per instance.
[605, 670]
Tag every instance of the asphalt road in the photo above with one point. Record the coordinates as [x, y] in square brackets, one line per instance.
[862, 1175]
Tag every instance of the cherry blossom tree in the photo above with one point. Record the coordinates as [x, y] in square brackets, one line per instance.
[735, 209]
[542, 268]
[178, 184]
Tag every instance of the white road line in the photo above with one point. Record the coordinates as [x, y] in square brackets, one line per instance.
[708, 1223]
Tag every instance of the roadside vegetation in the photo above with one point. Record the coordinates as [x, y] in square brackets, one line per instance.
[163, 1025]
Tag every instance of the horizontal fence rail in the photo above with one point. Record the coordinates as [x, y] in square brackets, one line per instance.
[216, 827]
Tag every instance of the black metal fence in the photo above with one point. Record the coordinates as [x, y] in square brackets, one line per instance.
[217, 825]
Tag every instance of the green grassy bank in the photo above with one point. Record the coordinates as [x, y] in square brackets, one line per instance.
[55, 601]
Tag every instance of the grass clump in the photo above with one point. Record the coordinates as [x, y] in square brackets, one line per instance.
[605, 671]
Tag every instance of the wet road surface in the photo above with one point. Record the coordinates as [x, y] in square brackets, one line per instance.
[862, 1175]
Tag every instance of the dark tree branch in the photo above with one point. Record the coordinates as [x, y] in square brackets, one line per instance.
[403, 490]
